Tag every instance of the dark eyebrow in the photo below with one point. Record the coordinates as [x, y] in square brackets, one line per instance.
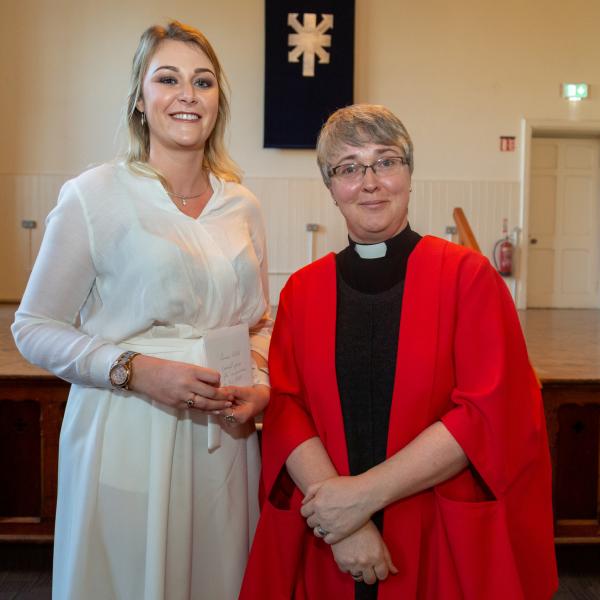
[176, 70]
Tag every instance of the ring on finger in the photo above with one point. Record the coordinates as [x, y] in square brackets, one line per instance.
[230, 418]
[320, 532]
[357, 576]
[373, 578]
[192, 401]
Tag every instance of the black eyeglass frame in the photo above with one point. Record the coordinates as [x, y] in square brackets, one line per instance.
[373, 166]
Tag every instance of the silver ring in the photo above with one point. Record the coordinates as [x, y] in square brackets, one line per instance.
[356, 576]
[230, 418]
[320, 531]
[191, 402]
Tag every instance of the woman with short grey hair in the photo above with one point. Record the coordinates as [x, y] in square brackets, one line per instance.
[359, 124]
[404, 440]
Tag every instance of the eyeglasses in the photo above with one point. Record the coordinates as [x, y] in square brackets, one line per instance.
[354, 172]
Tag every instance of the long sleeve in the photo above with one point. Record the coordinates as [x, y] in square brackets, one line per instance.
[287, 422]
[260, 333]
[277, 551]
[45, 327]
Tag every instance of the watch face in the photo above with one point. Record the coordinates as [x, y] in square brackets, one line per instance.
[119, 375]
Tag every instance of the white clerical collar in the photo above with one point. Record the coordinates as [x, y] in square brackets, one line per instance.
[371, 250]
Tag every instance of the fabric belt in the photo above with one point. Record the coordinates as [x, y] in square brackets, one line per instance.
[188, 350]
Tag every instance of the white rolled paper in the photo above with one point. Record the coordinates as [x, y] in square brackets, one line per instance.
[214, 432]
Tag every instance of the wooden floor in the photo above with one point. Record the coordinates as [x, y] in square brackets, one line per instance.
[11, 362]
[564, 345]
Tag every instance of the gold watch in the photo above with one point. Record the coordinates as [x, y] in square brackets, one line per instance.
[121, 370]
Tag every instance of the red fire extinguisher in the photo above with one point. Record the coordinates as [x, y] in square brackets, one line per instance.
[503, 253]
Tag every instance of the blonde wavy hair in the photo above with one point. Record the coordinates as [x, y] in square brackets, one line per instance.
[216, 157]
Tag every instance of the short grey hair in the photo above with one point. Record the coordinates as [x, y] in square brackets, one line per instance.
[357, 125]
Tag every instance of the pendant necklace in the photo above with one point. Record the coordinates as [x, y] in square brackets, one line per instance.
[184, 199]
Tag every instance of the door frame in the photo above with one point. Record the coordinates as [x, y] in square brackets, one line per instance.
[560, 128]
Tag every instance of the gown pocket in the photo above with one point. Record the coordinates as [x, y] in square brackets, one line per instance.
[478, 541]
[276, 556]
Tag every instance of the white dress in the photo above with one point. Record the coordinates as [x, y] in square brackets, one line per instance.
[145, 511]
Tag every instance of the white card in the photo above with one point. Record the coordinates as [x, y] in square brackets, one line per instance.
[228, 351]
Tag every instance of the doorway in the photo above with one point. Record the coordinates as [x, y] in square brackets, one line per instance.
[559, 260]
[563, 255]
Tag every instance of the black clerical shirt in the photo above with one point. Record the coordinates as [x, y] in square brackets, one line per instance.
[369, 304]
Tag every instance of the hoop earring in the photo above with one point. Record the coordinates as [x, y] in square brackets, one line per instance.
[143, 119]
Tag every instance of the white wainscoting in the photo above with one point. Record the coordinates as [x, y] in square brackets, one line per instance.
[288, 204]
[23, 197]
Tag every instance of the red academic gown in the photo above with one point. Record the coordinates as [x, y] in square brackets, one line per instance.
[487, 533]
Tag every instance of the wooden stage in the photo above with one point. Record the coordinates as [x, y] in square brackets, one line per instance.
[564, 347]
[32, 404]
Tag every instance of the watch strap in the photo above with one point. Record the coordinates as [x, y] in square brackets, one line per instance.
[125, 361]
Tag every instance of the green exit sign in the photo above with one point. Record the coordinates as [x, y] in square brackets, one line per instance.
[575, 91]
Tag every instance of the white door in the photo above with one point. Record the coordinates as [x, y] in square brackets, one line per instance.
[564, 229]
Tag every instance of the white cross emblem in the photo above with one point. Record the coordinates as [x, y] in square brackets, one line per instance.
[309, 41]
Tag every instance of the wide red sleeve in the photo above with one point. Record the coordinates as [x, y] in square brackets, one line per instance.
[287, 422]
[498, 416]
[277, 551]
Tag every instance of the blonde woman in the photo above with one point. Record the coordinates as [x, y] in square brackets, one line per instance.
[141, 257]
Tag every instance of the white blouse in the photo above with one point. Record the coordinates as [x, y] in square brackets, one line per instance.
[119, 260]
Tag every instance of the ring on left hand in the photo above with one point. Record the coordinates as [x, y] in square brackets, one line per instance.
[320, 532]
[356, 576]
[230, 418]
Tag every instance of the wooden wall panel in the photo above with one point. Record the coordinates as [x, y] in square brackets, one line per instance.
[576, 490]
[573, 421]
[31, 412]
[21, 472]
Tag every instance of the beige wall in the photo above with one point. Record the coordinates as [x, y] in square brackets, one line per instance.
[459, 74]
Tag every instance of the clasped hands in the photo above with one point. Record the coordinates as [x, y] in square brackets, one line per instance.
[339, 511]
[182, 385]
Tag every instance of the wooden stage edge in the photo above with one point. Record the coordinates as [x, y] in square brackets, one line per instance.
[564, 348]
[564, 345]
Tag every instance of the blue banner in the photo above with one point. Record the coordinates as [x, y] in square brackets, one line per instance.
[309, 68]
